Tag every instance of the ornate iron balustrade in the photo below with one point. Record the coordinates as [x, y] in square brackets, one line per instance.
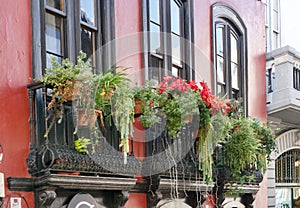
[55, 152]
[248, 176]
[172, 157]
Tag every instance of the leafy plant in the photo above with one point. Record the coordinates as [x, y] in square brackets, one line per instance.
[242, 147]
[107, 83]
[115, 99]
[61, 78]
[81, 144]
[123, 115]
[150, 100]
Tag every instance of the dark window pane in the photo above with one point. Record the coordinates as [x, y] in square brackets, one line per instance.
[154, 11]
[57, 4]
[176, 49]
[155, 68]
[87, 43]
[175, 18]
[87, 9]
[154, 38]
[219, 40]
[53, 34]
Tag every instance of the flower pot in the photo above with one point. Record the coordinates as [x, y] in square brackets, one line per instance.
[68, 173]
[86, 117]
[189, 119]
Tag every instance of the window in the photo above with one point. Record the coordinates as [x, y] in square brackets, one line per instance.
[272, 20]
[165, 43]
[229, 42]
[296, 78]
[62, 28]
[54, 29]
[287, 167]
[270, 79]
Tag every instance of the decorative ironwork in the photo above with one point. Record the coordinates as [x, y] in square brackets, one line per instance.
[166, 154]
[287, 167]
[46, 198]
[55, 152]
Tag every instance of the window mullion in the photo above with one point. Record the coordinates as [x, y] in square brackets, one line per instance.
[227, 60]
[70, 31]
[166, 37]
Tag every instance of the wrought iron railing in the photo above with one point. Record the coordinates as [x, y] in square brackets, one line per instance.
[248, 176]
[287, 167]
[55, 152]
[172, 157]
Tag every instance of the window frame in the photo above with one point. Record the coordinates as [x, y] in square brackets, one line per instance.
[224, 13]
[105, 55]
[186, 29]
[270, 25]
[105, 26]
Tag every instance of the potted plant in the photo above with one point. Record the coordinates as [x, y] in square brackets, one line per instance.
[61, 78]
[107, 83]
[150, 100]
[180, 105]
[114, 99]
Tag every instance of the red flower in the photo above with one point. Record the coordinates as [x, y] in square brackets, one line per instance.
[205, 94]
[193, 85]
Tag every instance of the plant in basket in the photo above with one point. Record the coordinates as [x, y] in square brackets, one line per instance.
[150, 100]
[107, 83]
[85, 88]
[180, 105]
[114, 99]
[61, 78]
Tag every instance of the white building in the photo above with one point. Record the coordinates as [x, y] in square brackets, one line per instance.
[283, 100]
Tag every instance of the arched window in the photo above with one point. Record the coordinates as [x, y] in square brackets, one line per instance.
[229, 53]
[287, 167]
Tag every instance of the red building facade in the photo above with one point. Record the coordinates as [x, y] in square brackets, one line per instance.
[117, 37]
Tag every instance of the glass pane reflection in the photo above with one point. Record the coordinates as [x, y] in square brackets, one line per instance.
[220, 69]
[219, 40]
[53, 34]
[57, 4]
[154, 11]
[87, 43]
[175, 17]
[154, 38]
[87, 9]
[176, 49]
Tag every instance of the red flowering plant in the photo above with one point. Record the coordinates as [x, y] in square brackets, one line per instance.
[181, 105]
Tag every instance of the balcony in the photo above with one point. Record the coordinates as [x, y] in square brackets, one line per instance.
[173, 153]
[283, 87]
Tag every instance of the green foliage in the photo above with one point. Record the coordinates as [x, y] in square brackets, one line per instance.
[81, 144]
[150, 101]
[179, 108]
[218, 129]
[107, 83]
[242, 147]
[123, 114]
[61, 78]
